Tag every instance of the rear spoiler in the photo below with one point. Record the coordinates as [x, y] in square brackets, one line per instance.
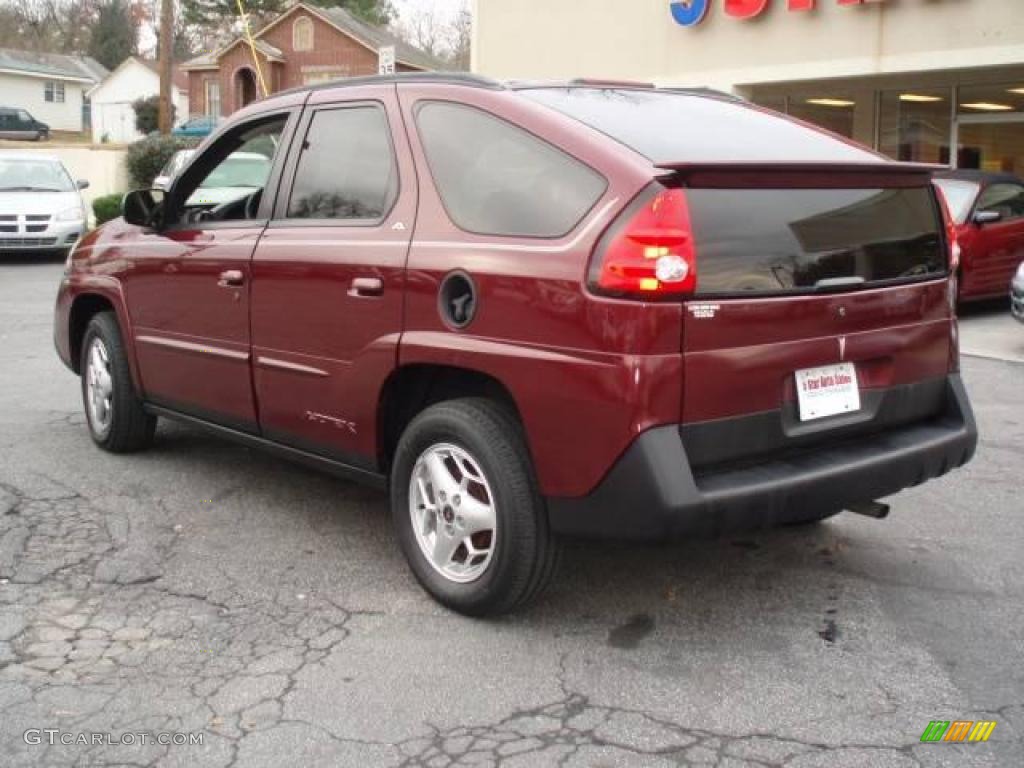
[802, 175]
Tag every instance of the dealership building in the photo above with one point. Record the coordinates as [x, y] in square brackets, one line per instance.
[912, 78]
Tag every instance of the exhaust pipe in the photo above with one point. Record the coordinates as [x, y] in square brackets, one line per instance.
[875, 509]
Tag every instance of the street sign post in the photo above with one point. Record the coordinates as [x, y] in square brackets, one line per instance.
[386, 60]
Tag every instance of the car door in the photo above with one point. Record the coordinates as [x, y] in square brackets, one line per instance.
[328, 275]
[188, 290]
[998, 246]
[25, 125]
[6, 120]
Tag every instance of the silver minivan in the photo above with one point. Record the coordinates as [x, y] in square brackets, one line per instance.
[41, 207]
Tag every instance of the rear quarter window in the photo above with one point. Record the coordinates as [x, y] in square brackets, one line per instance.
[495, 178]
[666, 126]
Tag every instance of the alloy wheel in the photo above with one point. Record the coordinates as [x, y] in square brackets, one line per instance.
[453, 513]
[99, 388]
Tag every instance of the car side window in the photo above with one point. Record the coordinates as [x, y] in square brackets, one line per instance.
[347, 169]
[228, 180]
[498, 179]
[1005, 199]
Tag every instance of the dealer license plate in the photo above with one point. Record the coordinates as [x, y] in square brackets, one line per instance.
[827, 391]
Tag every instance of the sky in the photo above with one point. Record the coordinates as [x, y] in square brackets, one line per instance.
[443, 8]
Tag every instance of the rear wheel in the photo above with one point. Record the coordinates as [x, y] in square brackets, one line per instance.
[114, 412]
[466, 509]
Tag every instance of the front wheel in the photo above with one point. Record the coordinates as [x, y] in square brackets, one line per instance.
[466, 509]
[114, 412]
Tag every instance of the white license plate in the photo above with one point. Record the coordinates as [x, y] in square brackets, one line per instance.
[827, 391]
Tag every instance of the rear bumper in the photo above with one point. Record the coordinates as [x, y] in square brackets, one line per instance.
[651, 493]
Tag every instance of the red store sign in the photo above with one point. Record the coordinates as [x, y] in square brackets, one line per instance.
[689, 13]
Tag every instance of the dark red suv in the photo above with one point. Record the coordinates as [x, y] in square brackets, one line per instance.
[535, 310]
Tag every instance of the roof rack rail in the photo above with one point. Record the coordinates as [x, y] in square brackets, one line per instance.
[701, 90]
[609, 83]
[444, 78]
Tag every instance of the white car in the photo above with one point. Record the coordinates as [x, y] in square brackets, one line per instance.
[172, 169]
[41, 208]
[239, 176]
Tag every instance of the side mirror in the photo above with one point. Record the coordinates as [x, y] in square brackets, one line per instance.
[82, 184]
[142, 206]
[986, 217]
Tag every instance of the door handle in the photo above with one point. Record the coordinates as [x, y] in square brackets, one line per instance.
[231, 278]
[366, 286]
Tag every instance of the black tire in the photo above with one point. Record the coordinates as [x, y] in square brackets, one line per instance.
[130, 428]
[525, 553]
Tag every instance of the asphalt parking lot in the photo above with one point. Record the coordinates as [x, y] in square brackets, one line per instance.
[205, 588]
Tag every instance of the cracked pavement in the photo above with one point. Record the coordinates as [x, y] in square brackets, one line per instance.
[204, 587]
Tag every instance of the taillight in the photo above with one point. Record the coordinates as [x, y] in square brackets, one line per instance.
[649, 253]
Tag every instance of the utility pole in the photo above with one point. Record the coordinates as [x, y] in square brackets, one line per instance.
[165, 63]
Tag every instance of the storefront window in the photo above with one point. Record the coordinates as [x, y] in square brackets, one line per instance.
[991, 127]
[914, 124]
[832, 112]
[778, 103]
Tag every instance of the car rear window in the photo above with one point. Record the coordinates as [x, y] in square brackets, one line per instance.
[667, 126]
[797, 240]
[497, 179]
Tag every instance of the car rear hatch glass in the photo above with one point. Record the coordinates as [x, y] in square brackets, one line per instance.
[783, 241]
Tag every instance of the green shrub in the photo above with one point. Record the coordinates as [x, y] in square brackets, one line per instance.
[106, 208]
[148, 156]
[147, 114]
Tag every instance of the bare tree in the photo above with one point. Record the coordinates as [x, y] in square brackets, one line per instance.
[59, 26]
[446, 37]
[423, 28]
[461, 38]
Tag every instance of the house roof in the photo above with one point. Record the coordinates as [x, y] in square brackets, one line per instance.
[178, 74]
[272, 53]
[376, 38]
[203, 61]
[209, 60]
[56, 65]
[373, 38]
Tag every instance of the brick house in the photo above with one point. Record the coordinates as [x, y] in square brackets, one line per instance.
[305, 44]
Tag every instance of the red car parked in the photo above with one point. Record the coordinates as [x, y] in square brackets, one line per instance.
[988, 210]
[537, 310]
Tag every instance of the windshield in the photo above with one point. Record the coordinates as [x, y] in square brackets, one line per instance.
[250, 170]
[959, 196]
[31, 175]
[676, 126]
